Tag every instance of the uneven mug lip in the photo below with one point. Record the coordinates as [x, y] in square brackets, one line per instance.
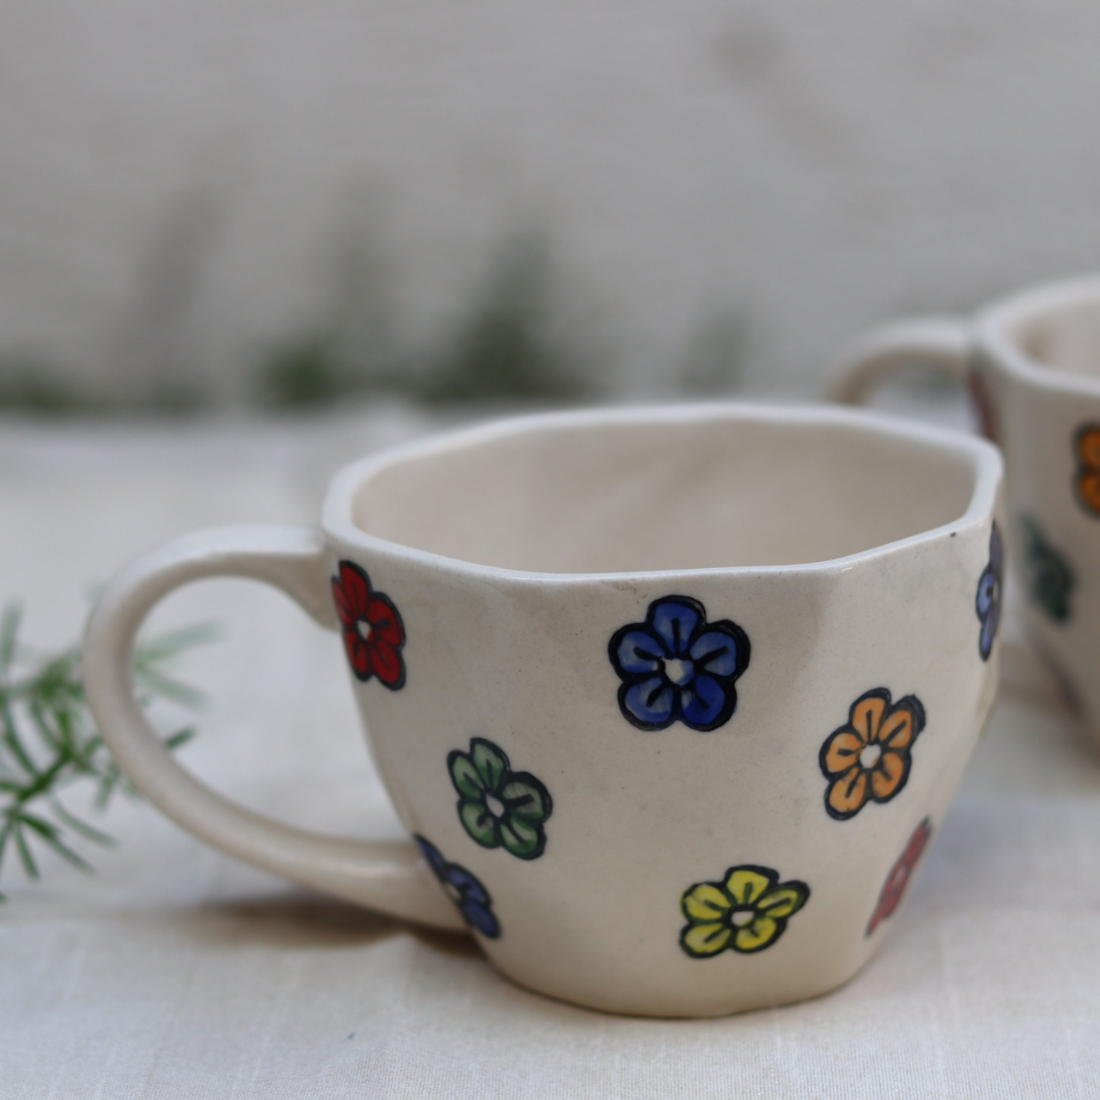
[338, 523]
[994, 325]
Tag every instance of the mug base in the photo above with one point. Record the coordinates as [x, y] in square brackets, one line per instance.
[666, 1005]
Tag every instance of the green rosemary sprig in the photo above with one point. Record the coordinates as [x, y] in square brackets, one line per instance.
[48, 740]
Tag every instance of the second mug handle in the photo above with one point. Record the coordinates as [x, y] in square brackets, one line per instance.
[386, 875]
[942, 343]
[945, 344]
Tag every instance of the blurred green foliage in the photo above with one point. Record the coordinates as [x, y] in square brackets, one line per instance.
[34, 389]
[504, 346]
[49, 743]
[511, 342]
[31, 387]
[302, 372]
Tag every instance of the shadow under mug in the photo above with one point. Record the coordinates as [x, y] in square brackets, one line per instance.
[670, 700]
[1032, 365]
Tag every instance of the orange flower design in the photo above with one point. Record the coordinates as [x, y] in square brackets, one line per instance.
[868, 758]
[1087, 479]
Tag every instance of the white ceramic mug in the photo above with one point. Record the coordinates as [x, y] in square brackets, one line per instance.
[1032, 363]
[670, 699]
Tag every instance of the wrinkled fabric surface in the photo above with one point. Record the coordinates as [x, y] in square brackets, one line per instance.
[176, 972]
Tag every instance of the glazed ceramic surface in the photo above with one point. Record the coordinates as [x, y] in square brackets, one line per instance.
[1032, 363]
[670, 701]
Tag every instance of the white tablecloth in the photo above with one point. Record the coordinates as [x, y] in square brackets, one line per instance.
[176, 972]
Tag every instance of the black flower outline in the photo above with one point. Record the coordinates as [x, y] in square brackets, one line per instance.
[676, 666]
[746, 912]
[497, 806]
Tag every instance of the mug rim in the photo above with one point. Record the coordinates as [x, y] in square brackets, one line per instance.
[995, 320]
[985, 461]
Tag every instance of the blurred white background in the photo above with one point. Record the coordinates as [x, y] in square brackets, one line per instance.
[201, 198]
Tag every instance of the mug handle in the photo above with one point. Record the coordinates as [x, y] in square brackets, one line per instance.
[942, 343]
[387, 875]
[945, 344]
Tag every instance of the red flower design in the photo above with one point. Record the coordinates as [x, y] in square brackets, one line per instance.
[372, 627]
[898, 878]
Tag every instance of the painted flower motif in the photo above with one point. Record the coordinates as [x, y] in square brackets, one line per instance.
[898, 878]
[987, 602]
[497, 806]
[746, 912]
[372, 628]
[1048, 577]
[1086, 480]
[868, 759]
[463, 888]
[678, 667]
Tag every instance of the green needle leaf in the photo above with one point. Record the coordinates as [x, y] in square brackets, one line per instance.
[48, 739]
[82, 827]
[24, 851]
[9, 629]
[49, 833]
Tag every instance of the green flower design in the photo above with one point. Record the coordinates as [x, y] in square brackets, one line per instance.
[1048, 575]
[497, 806]
[746, 912]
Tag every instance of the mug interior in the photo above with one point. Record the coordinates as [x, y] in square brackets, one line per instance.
[1061, 334]
[583, 495]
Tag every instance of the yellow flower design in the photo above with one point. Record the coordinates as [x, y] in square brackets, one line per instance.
[868, 759]
[746, 912]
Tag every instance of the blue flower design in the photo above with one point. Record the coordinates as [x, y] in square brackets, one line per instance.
[987, 602]
[463, 888]
[678, 667]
